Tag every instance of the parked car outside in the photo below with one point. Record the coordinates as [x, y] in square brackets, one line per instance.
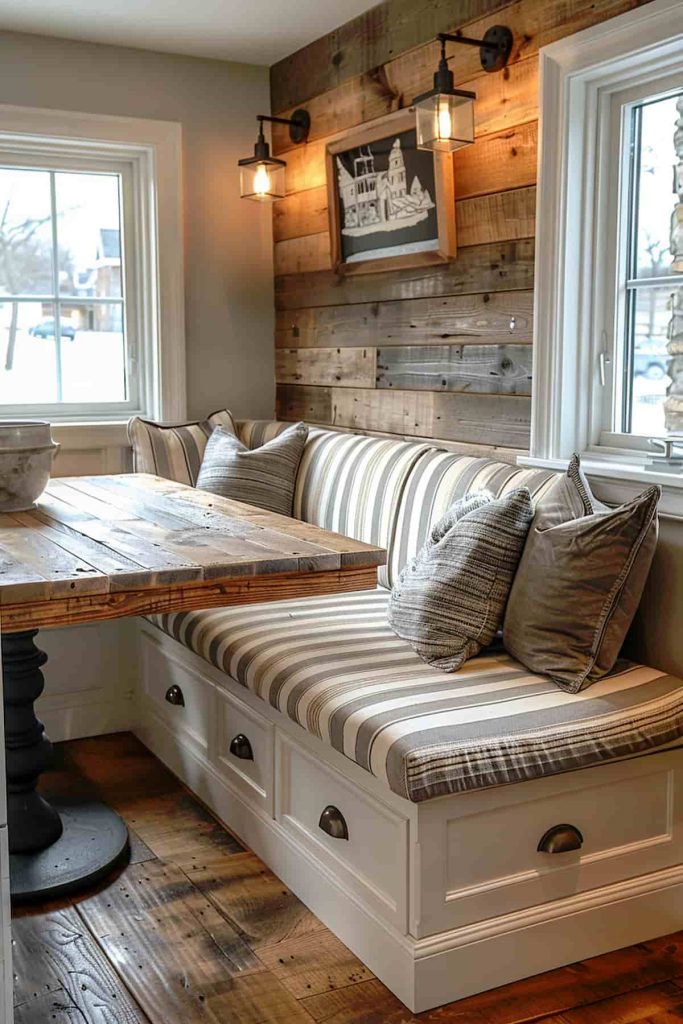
[652, 365]
[46, 329]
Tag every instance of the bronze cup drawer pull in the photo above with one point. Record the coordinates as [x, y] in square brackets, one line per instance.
[241, 747]
[333, 822]
[174, 695]
[560, 839]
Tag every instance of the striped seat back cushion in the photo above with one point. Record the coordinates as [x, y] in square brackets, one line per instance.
[174, 450]
[439, 479]
[255, 433]
[353, 484]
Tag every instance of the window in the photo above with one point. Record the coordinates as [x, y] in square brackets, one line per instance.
[648, 274]
[608, 331]
[65, 337]
[90, 268]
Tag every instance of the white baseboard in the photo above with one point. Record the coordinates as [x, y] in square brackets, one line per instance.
[425, 973]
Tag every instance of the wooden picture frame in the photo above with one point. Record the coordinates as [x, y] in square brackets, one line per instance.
[392, 195]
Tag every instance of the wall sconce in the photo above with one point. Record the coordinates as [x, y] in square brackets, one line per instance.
[262, 176]
[445, 115]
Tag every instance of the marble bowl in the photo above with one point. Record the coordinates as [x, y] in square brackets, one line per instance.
[26, 454]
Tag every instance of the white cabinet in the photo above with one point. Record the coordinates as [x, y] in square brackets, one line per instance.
[440, 899]
[243, 751]
[366, 843]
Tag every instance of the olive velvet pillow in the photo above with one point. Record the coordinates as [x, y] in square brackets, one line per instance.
[448, 602]
[579, 582]
[263, 476]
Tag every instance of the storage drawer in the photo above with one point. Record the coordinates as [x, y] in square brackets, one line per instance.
[181, 697]
[481, 864]
[368, 850]
[244, 750]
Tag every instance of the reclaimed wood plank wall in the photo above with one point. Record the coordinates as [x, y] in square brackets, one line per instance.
[440, 352]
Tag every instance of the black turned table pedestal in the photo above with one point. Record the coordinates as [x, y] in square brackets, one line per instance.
[55, 847]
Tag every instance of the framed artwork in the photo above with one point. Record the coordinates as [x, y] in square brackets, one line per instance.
[391, 205]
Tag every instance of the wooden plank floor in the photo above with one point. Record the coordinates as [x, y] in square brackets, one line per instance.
[197, 929]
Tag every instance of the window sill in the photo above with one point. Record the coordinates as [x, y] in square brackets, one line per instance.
[619, 478]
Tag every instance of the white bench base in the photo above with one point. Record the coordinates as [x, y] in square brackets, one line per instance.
[442, 899]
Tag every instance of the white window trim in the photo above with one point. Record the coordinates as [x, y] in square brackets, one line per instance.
[578, 75]
[153, 149]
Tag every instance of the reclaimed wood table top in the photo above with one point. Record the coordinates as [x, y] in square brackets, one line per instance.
[102, 547]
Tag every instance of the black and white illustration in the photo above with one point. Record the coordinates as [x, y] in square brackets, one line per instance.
[386, 192]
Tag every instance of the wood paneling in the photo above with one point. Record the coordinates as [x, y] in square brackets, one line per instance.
[476, 270]
[406, 71]
[497, 162]
[500, 161]
[461, 417]
[366, 42]
[470, 383]
[503, 100]
[496, 218]
[303, 213]
[487, 218]
[347, 367]
[488, 319]
[302, 255]
[485, 369]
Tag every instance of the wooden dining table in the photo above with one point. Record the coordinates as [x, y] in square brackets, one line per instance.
[101, 547]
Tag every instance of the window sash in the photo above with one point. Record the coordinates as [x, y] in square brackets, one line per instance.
[615, 282]
[135, 369]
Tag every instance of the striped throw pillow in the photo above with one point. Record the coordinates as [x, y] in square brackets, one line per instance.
[449, 601]
[263, 476]
[174, 450]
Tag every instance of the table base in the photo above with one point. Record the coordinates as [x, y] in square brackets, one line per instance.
[93, 842]
[57, 846]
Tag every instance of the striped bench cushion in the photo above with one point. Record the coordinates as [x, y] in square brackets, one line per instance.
[174, 450]
[439, 479]
[336, 669]
[353, 484]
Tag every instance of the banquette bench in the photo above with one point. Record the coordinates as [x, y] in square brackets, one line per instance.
[456, 831]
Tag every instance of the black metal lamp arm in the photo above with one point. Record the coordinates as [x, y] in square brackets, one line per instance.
[494, 48]
[299, 124]
[444, 37]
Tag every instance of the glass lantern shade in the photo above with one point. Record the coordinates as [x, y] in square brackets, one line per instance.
[445, 121]
[262, 180]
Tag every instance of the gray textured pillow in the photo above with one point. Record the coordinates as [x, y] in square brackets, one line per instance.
[263, 476]
[579, 582]
[449, 600]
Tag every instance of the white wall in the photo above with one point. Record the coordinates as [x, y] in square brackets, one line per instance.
[228, 289]
[89, 679]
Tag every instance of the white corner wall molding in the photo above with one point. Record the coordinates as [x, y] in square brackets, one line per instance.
[152, 153]
[426, 895]
[578, 77]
